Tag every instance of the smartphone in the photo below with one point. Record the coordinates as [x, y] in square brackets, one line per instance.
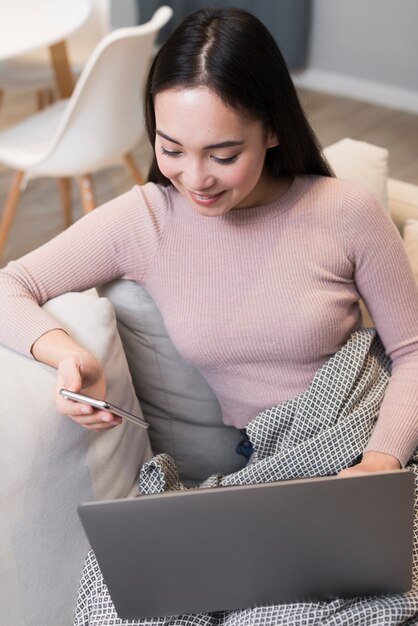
[105, 406]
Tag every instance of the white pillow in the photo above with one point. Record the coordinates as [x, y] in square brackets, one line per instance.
[49, 465]
[361, 162]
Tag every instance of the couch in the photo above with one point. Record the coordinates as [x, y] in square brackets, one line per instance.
[48, 464]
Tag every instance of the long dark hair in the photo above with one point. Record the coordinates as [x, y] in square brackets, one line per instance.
[231, 52]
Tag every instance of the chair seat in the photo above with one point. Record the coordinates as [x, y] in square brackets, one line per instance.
[29, 142]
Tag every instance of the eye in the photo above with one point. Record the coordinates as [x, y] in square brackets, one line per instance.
[225, 161]
[170, 153]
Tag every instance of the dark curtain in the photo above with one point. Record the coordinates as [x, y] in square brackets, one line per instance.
[287, 20]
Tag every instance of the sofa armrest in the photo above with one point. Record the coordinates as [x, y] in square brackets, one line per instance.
[403, 202]
[49, 464]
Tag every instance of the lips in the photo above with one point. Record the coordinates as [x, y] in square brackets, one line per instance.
[205, 199]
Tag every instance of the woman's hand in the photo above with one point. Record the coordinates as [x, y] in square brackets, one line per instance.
[372, 462]
[82, 373]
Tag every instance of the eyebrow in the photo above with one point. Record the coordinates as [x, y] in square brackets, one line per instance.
[222, 144]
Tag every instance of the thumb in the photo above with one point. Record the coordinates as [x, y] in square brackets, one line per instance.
[69, 375]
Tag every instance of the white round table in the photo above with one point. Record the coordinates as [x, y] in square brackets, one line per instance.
[29, 24]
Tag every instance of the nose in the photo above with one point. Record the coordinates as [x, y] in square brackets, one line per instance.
[197, 177]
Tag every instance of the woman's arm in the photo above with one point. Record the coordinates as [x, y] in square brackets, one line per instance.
[116, 240]
[78, 370]
[385, 281]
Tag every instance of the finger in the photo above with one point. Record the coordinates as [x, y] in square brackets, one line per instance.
[345, 472]
[351, 471]
[94, 417]
[99, 427]
[74, 409]
[96, 425]
[69, 376]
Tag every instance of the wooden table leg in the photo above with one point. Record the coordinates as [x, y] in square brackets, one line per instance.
[65, 193]
[10, 209]
[64, 80]
[62, 69]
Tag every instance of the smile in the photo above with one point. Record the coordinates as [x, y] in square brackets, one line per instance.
[205, 200]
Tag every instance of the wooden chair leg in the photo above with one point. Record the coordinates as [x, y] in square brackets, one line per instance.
[44, 97]
[133, 169]
[66, 200]
[40, 102]
[87, 193]
[10, 209]
[50, 96]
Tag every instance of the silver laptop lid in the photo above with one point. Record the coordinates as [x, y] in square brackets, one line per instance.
[238, 547]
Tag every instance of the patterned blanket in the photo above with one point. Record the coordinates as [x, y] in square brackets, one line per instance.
[318, 433]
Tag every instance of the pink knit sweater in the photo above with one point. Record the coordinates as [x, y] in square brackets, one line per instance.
[257, 299]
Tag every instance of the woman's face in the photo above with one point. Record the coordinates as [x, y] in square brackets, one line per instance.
[213, 155]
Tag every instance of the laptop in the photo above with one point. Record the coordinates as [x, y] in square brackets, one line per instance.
[238, 547]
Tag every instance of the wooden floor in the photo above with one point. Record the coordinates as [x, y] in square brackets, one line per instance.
[333, 118]
[39, 214]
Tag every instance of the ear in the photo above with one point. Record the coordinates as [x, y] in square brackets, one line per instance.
[272, 139]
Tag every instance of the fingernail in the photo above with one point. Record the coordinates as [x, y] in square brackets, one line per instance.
[85, 409]
[107, 418]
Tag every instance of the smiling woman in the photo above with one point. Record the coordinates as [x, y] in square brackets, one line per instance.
[255, 254]
[234, 56]
[217, 159]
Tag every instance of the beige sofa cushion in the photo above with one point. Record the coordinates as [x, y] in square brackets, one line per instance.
[361, 162]
[411, 244]
[49, 465]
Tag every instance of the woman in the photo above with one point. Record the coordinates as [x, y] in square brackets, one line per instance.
[255, 255]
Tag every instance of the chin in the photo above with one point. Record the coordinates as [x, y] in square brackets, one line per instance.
[212, 211]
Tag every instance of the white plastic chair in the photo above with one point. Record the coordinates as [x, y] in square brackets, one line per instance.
[33, 71]
[96, 128]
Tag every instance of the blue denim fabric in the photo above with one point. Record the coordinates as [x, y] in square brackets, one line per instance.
[245, 447]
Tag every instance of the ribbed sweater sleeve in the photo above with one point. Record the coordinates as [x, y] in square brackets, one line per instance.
[385, 280]
[117, 240]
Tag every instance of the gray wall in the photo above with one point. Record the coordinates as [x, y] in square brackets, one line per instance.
[123, 13]
[367, 39]
[366, 49]
[287, 20]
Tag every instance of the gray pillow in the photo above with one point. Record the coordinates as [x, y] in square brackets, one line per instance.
[184, 415]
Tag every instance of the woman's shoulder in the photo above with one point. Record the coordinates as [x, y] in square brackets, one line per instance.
[340, 186]
[151, 193]
[349, 197]
[348, 190]
[135, 198]
[157, 197]
[141, 209]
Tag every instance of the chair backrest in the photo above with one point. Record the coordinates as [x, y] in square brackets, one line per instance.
[83, 41]
[104, 116]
